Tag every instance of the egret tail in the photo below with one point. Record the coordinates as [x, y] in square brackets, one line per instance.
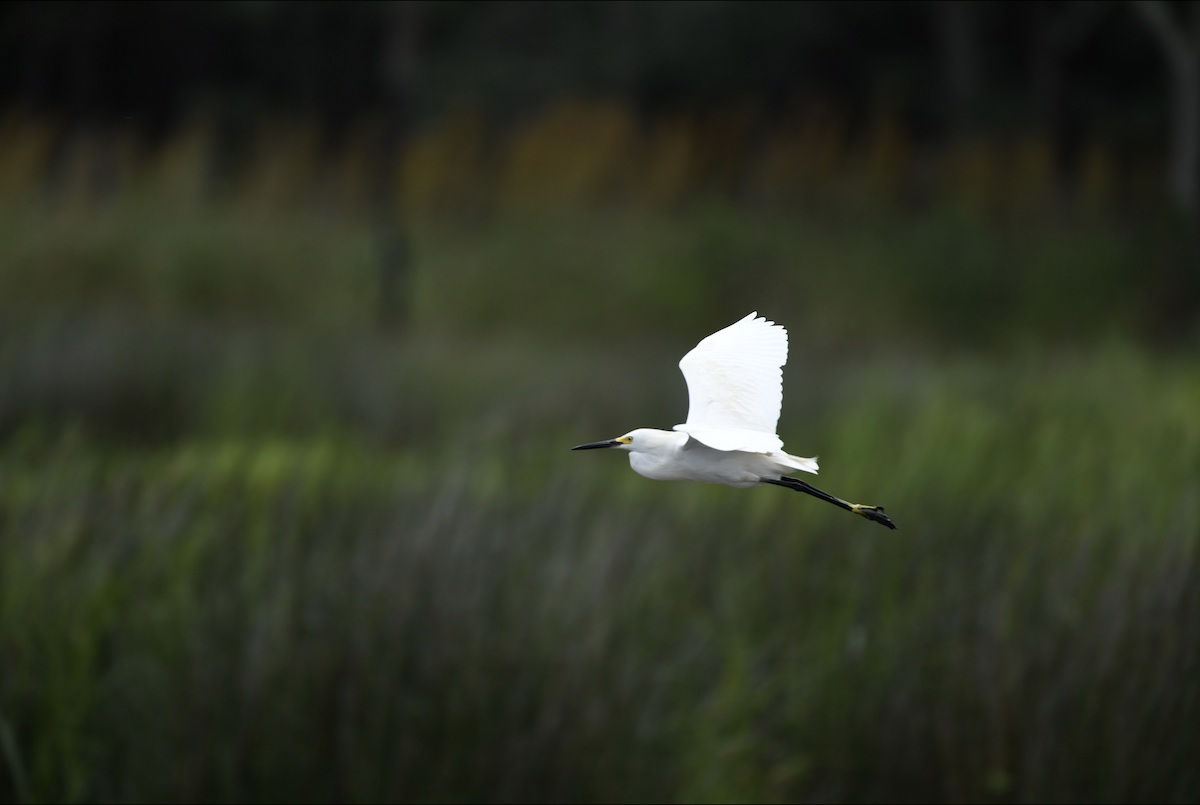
[870, 512]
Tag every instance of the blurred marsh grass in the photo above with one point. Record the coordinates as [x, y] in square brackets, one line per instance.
[308, 615]
[255, 546]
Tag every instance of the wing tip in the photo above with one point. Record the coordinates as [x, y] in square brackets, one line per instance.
[754, 317]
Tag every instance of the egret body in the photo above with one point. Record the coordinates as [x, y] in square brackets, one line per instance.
[735, 392]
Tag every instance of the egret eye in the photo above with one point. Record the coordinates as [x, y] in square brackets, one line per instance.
[626, 440]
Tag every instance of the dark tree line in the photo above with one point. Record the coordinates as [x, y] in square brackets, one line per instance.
[1075, 71]
[1125, 73]
[1074, 67]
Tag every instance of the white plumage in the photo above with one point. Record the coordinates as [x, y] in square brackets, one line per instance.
[735, 386]
[735, 392]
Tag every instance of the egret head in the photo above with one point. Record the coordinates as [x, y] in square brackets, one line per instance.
[642, 440]
[622, 442]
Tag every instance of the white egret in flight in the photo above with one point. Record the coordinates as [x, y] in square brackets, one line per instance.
[735, 391]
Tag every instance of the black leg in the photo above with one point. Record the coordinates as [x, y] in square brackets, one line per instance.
[874, 513]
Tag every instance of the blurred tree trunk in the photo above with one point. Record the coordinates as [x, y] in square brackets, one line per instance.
[622, 47]
[38, 29]
[1178, 37]
[399, 65]
[956, 27]
[86, 28]
[1057, 29]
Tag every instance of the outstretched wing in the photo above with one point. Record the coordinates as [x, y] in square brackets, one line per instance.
[735, 386]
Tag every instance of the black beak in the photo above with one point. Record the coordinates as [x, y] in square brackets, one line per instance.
[597, 445]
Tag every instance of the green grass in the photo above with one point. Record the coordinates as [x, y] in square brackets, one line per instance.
[448, 605]
[254, 546]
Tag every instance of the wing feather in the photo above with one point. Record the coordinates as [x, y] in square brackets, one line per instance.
[735, 386]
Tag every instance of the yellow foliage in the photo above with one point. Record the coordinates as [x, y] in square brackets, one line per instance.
[666, 161]
[24, 149]
[887, 158]
[283, 166]
[574, 153]
[1097, 180]
[444, 164]
[802, 157]
[973, 174]
[181, 171]
[1031, 176]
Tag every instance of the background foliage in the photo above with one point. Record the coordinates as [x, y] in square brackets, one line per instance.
[278, 521]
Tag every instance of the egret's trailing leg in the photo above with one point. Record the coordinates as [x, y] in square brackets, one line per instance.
[870, 512]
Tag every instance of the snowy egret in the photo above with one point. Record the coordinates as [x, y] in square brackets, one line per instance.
[735, 391]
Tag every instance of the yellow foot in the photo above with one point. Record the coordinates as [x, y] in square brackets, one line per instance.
[873, 513]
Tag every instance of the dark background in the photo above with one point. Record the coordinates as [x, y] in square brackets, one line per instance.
[303, 304]
[1077, 70]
